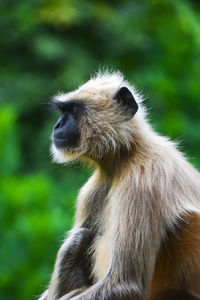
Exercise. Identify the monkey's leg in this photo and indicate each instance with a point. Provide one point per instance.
(71, 269)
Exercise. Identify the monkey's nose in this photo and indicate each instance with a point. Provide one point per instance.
(59, 123)
(60, 128)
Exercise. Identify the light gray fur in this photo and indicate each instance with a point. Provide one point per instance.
(140, 187)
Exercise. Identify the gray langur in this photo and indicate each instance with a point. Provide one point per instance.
(136, 233)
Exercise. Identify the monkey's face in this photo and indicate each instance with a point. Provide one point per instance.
(66, 133)
(93, 123)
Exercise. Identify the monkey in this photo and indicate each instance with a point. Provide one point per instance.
(136, 234)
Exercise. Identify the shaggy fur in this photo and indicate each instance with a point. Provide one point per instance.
(141, 207)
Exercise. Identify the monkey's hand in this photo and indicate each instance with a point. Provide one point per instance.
(72, 267)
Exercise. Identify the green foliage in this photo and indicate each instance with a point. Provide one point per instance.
(36, 209)
(9, 151)
(54, 45)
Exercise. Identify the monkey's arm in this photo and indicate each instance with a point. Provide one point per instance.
(71, 267)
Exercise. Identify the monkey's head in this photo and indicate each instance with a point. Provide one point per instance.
(96, 119)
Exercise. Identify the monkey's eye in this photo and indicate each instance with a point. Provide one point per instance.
(74, 110)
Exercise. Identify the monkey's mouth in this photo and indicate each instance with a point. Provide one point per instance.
(61, 143)
(66, 142)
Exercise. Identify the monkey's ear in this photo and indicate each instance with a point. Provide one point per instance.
(125, 98)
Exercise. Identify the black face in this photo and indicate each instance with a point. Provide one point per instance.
(66, 132)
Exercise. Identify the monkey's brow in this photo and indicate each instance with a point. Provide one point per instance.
(58, 104)
(65, 105)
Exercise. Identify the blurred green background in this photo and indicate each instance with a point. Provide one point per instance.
(48, 46)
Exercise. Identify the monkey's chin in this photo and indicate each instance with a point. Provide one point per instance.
(61, 156)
